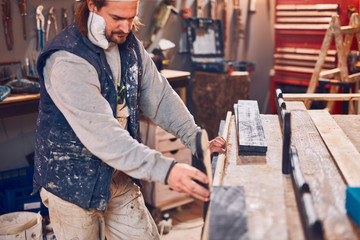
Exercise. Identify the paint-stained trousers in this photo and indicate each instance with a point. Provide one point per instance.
(125, 216)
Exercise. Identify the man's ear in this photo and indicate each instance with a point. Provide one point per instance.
(91, 6)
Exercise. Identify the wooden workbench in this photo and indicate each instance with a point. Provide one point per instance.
(270, 201)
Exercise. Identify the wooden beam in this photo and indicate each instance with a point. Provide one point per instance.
(251, 133)
(341, 148)
(206, 155)
(321, 96)
(348, 123)
(294, 69)
(303, 20)
(349, 30)
(302, 57)
(220, 164)
(320, 171)
(308, 7)
(302, 26)
(289, 63)
(228, 218)
(354, 77)
(333, 73)
(306, 13)
(304, 51)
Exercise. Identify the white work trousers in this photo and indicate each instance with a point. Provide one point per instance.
(125, 216)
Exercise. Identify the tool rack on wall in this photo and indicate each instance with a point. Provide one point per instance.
(300, 27)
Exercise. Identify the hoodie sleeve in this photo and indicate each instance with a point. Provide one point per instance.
(162, 105)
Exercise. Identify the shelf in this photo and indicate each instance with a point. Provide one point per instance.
(19, 104)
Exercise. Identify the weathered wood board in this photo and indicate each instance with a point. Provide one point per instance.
(348, 124)
(270, 200)
(341, 148)
(228, 219)
(321, 96)
(218, 173)
(320, 171)
(250, 130)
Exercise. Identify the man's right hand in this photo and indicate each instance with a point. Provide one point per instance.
(182, 179)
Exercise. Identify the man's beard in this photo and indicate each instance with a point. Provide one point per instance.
(118, 37)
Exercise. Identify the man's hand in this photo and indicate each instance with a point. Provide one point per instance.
(218, 144)
(182, 179)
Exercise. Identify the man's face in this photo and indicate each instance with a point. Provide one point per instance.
(119, 17)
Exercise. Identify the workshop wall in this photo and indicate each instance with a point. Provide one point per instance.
(17, 134)
(257, 46)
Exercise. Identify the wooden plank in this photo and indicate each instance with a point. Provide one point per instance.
(285, 62)
(274, 217)
(228, 218)
(174, 73)
(251, 133)
(220, 164)
(344, 152)
(321, 96)
(333, 73)
(304, 51)
(354, 77)
(302, 26)
(349, 30)
(308, 7)
(302, 57)
(175, 203)
(296, 105)
(206, 155)
(294, 69)
(306, 13)
(350, 125)
(327, 186)
(303, 19)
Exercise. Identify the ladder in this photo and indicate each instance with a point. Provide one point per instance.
(343, 36)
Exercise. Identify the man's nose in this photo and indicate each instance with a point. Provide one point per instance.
(124, 25)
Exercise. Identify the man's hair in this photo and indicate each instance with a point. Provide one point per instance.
(82, 15)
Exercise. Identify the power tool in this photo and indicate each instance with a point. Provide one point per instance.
(4, 92)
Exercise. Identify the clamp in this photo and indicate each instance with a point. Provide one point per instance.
(6, 18)
(51, 16)
(40, 27)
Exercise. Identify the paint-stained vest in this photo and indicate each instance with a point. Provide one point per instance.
(63, 165)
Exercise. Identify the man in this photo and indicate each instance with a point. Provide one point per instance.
(95, 77)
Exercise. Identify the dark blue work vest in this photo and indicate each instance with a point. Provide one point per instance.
(63, 165)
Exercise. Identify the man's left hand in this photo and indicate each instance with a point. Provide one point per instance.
(218, 144)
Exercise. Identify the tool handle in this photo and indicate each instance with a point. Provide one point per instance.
(22, 7)
(42, 32)
(23, 18)
(38, 39)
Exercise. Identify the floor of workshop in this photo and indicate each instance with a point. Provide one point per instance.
(187, 222)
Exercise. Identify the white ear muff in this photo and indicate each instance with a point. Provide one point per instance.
(96, 30)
